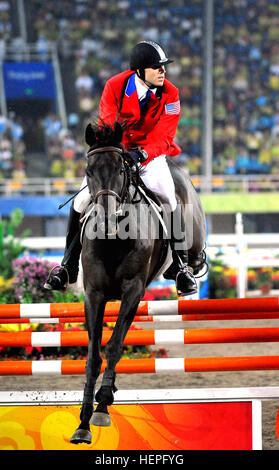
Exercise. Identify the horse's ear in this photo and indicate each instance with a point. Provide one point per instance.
(90, 135)
(118, 132)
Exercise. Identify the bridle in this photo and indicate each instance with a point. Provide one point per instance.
(127, 178)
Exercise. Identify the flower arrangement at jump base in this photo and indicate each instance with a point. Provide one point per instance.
(265, 279)
(29, 277)
(222, 280)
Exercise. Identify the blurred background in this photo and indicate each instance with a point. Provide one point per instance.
(55, 58)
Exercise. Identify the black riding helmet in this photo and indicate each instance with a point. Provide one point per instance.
(147, 54)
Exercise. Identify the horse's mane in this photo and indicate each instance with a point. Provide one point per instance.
(101, 134)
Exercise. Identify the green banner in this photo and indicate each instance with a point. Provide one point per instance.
(240, 202)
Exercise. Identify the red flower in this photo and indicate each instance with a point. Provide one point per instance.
(148, 296)
(232, 278)
(29, 349)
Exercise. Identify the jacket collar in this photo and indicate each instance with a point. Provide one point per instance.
(131, 85)
(130, 102)
(134, 84)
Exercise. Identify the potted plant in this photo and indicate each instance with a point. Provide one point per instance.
(264, 280)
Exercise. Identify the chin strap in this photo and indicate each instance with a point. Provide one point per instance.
(141, 75)
(150, 86)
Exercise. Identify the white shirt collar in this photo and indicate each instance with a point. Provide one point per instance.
(141, 89)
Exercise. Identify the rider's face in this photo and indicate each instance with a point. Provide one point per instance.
(155, 76)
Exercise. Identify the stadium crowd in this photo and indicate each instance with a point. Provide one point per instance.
(100, 34)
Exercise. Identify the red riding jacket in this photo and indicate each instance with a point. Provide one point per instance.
(154, 131)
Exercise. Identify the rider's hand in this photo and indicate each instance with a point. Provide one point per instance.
(139, 155)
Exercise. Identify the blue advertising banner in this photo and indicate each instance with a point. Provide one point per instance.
(35, 206)
(32, 80)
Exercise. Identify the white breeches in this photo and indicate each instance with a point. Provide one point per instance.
(156, 176)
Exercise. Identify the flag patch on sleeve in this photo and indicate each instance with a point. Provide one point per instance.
(173, 108)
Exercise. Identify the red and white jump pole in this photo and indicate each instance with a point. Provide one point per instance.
(144, 366)
(143, 337)
(155, 307)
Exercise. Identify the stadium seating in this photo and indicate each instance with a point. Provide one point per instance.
(97, 37)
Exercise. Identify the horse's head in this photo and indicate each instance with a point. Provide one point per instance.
(108, 173)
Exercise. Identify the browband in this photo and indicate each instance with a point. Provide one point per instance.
(104, 149)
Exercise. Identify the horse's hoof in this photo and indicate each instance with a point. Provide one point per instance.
(100, 419)
(81, 436)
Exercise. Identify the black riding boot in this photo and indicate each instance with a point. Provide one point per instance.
(178, 271)
(67, 273)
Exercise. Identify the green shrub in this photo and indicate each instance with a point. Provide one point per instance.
(10, 247)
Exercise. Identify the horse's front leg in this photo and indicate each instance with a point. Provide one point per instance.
(94, 310)
(133, 292)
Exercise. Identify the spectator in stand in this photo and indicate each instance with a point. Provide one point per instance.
(6, 157)
(42, 47)
(5, 20)
(12, 148)
(68, 147)
(4, 125)
(52, 125)
(84, 83)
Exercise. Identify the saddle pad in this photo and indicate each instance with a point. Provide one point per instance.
(157, 209)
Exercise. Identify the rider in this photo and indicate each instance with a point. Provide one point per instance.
(149, 104)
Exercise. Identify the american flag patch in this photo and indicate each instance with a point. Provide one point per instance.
(173, 108)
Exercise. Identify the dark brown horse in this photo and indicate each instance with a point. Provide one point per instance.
(120, 267)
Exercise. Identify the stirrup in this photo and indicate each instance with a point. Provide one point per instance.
(48, 285)
(192, 287)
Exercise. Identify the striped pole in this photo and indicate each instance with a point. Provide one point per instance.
(143, 337)
(155, 307)
(135, 366)
(152, 318)
(42, 310)
(138, 318)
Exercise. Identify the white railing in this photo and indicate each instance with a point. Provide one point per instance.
(63, 186)
(39, 186)
(239, 183)
(258, 244)
(26, 52)
(237, 250)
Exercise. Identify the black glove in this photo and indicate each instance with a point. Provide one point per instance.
(139, 155)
